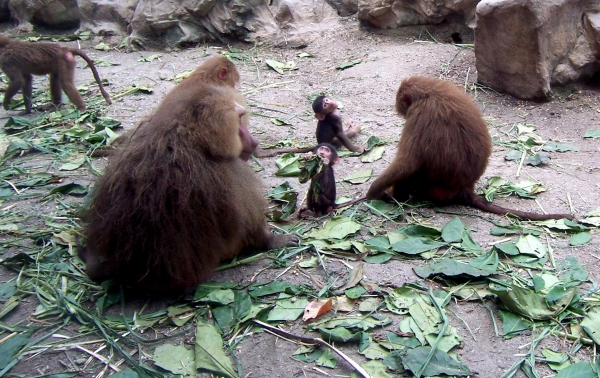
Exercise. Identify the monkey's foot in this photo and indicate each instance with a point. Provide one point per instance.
(282, 240)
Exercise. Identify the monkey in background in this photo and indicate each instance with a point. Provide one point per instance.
(21, 60)
(178, 198)
(443, 151)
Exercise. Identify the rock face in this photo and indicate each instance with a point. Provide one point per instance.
(180, 22)
(523, 47)
(387, 14)
(54, 14)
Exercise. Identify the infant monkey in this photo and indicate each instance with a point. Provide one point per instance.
(321, 196)
(330, 128)
(320, 199)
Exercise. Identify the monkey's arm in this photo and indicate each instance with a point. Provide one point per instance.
(343, 139)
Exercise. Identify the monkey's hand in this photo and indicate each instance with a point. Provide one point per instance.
(282, 240)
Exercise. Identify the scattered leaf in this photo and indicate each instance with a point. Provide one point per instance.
(317, 308)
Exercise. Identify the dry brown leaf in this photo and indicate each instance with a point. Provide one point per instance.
(317, 308)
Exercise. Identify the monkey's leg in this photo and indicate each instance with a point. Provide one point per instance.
(399, 171)
(55, 90)
(66, 77)
(16, 81)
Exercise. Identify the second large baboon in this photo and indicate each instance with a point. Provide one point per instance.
(443, 151)
(178, 198)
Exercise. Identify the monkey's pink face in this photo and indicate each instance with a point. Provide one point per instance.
(324, 152)
(249, 142)
(329, 105)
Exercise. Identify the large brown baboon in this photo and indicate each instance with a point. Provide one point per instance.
(443, 151)
(20, 60)
(178, 198)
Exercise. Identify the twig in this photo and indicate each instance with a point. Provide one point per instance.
(521, 163)
(98, 357)
(315, 340)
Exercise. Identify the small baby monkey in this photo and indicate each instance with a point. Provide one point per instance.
(320, 199)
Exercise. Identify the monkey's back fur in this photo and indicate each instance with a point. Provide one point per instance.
(443, 151)
(176, 199)
(443, 133)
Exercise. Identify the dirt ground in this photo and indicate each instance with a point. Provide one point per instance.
(367, 92)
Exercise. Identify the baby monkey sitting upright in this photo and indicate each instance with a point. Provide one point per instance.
(318, 167)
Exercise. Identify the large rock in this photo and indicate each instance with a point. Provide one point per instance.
(344, 7)
(524, 46)
(107, 17)
(53, 14)
(388, 14)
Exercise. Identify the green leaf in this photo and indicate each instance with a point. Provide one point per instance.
(150, 58)
(336, 228)
(7, 289)
(275, 65)
(530, 245)
(578, 370)
(513, 324)
(553, 146)
(73, 189)
(274, 287)
(209, 353)
(591, 324)
(327, 359)
(440, 363)
(372, 155)
(127, 373)
(11, 346)
(453, 231)
(284, 198)
(413, 246)
(376, 369)
(176, 359)
(288, 309)
(339, 335)
(355, 292)
(592, 134)
(508, 248)
(580, 238)
(288, 165)
(359, 177)
(73, 165)
(530, 304)
(537, 159)
(345, 65)
(451, 268)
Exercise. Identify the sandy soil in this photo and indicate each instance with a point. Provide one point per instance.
(367, 92)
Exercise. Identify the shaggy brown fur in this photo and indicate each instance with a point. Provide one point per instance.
(177, 199)
(20, 60)
(444, 149)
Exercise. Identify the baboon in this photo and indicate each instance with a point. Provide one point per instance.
(443, 151)
(21, 60)
(178, 197)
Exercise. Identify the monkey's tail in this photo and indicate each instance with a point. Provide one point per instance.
(94, 72)
(473, 200)
(351, 202)
(260, 153)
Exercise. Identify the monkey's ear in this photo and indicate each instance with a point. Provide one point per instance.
(335, 161)
(319, 116)
(222, 74)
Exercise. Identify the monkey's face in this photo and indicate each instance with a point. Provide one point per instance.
(249, 142)
(329, 105)
(327, 154)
